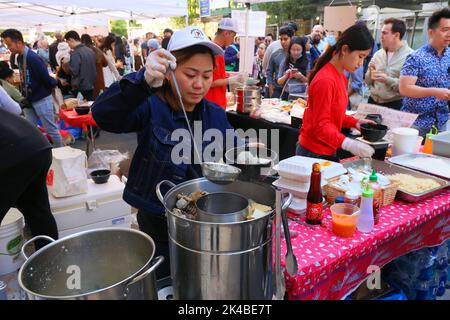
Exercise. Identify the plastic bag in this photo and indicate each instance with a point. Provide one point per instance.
(67, 176)
(106, 159)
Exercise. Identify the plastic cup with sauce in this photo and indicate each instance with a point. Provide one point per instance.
(344, 217)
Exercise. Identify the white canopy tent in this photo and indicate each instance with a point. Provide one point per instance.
(52, 14)
(247, 42)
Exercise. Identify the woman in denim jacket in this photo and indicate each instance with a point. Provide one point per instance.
(146, 102)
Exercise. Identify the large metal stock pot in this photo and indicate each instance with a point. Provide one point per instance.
(211, 260)
(109, 263)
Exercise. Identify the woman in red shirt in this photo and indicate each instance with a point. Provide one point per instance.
(320, 135)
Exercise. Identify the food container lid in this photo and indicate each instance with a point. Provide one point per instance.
(339, 200)
(352, 194)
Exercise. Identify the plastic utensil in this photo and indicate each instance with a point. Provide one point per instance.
(219, 173)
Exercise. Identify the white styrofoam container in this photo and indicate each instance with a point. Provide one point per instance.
(299, 168)
(441, 144)
(297, 189)
(298, 205)
(102, 202)
(119, 222)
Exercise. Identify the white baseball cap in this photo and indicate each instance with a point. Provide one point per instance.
(229, 24)
(191, 36)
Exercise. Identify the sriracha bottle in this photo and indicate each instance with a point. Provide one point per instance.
(314, 206)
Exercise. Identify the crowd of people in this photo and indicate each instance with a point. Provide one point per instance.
(331, 67)
(78, 66)
(394, 75)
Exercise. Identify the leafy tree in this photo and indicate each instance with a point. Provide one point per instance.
(135, 24)
(193, 12)
(119, 28)
(278, 12)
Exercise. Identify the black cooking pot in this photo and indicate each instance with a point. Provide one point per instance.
(82, 110)
(100, 176)
(251, 170)
(373, 132)
(375, 117)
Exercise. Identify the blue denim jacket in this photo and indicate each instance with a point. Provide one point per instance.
(129, 106)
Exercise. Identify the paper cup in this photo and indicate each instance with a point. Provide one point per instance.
(404, 140)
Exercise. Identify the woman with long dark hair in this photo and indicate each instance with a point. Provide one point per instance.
(110, 73)
(295, 67)
(320, 135)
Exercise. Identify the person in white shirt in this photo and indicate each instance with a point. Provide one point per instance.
(110, 73)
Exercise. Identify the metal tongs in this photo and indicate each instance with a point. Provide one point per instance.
(219, 173)
(290, 259)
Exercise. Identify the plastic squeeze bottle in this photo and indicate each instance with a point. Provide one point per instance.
(365, 222)
(373, 181)
(428, 145)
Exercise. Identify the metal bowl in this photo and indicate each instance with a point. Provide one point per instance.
(222, 207)
(220, 173)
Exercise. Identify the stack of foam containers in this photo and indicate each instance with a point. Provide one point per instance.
(295, 177)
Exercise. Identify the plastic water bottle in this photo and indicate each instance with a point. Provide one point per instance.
(442, 282)
(441, 258)
(422, 290)
(365, 222)
(3, 295)
(80, 98)
(433, 286)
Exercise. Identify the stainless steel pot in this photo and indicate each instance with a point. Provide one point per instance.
(247, 98)
(222, 207)
(110, 264)
(220, 260)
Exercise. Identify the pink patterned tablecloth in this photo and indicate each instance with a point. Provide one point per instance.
(329, 267)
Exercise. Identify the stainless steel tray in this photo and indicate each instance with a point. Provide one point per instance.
(403, 161)
(389, 168)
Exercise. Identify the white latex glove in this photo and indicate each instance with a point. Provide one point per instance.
(358, 148)
(156, 67)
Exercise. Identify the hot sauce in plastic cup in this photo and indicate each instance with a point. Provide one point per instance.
(344, 217)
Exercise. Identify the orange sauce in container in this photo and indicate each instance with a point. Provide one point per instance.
(344, 230)
(344, 217)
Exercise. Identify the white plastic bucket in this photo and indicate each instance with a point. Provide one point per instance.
(404, 140)
(11, 241)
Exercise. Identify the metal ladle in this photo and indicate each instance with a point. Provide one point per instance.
(219, 173)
